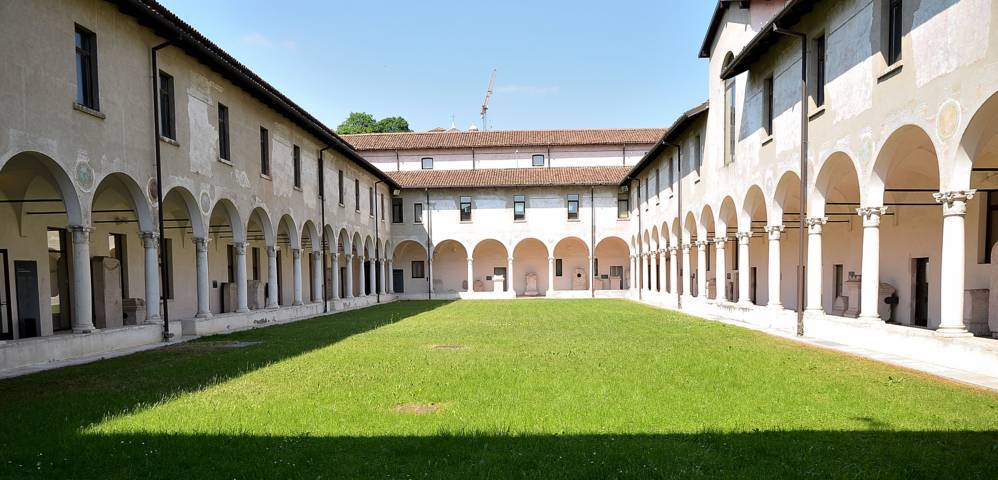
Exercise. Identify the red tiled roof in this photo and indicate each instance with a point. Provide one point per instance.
(503, 138)
(510, 177)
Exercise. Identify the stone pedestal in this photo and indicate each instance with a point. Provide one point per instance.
(883, 308)
(134, 310)
(579, 280)
(531, 287)
(107, 292)
(498, 283)
(850, 290)
(975, 311)
(254, 294)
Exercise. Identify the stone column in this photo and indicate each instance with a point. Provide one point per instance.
(551, 274)
(702, 269)
(774, 232)
(82, 289)
(272, 300)
(870, 281)
(429, 267)
(382, 264)
(674, 271)
(348, 260)
(317, 290)
(643, 268)
(334, 277)
(471, 274)
(720, 269)
(743, 268)
(814, 265)
(631, 277)
(686, 270)
(662, 271)
(150, 242)
(296, 274)
(509, 275)
(951, 289)
(201, 264)
(371, 272)
(389, 277)
(362, 277)
(242, 301)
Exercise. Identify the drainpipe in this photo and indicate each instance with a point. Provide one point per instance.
(592, 239)
(801, 281)
(429, 246)
(164, 268)
(641, 273)
(377, 246)
(679, 218)
(322, 210)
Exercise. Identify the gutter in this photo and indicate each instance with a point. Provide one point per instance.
(679, 220)
(322, 236)
(164, 267)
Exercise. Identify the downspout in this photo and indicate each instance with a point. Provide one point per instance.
(679, 219)
(322, 210)
(641, 273)
(801, 281)
(592, 240)
(164, 268)
(429, 247)
(377, 247)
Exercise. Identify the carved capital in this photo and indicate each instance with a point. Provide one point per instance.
(955, 202)
(774, 231)
(201, 244)
(871, 215)
(720, 241)
(239, 247)
(702, 245)
(814, 225)
(80, 234)
(744, 237)
(149, 239)
(296, 253)
(271, 251)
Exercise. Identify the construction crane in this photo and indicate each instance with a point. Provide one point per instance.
(488, 96)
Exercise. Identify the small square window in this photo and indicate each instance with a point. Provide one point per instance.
(427, 163)
(519, 207)
(573, 206)
(465, 209)
(537, 160)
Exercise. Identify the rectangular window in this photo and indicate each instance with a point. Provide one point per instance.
(557, 267)
(417, 269)
(697, 153)
(623, 203)
(519, 207)
(370, 201)
(658, 185)
(767, 105)
(397, 214)
(426, 163)
(296, 160)
(86, 68)
(339, 179)
(465, 209)
(264, 151)
(537, 160)
(417, 213)
(647, 191)
(223, 132)
(381, 200)
(573, 206)
(167, 112)
(672, 161)
(321, 176)
(894, 32)
(838, 280)
(729, 122)
(356, 194)
(819, 71)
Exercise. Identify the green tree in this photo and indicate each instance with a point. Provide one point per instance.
(391, 125)
(357, 122)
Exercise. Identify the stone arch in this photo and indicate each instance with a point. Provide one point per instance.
(286, 223)
(450, 267)
(786, 196)
(530, 255)
(575, 268)
(310, 232)
(978, 146)
(727, 218)
(836, 184)
(261, 218)
(753, 209)
(488, 255)
(133, 195)
(611, 252)
(225, 210)
(24, 168)
(907, 158)
(706, 227)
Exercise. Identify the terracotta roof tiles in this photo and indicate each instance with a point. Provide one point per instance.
(510, 177)
(502, 138)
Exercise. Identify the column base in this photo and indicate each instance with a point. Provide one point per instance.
(272, 307)
(242, 310)
(203, 315)
(297, 304)
(953, 332)
(871, 318)
(81, 330)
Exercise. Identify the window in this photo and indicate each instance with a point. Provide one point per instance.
(557, 267)
(573, 206)
(672, 160)
(697, 154)
(658, 185)
(537, 160)
(339, 179)
(417, 213)
(991, 232)
(623, 202)
(370, 200)
(167, 114)
(381, 200)
(819, 71)
(894, 32)
(223, 132)
(465, 209)
(321, 175)
(729, 121)
(397, 210)
(519, 207)
(418, 269)
(767, 105)
(837, 280)
(356, 194)
(296, 160)
(264, 151)
(86, 68)
(427, 163)
(647, 191)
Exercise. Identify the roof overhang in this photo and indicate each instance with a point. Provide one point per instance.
(715, 24)
(767, 37)
(677, 128)
(166, 24)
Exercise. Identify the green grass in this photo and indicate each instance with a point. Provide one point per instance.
(531, 389)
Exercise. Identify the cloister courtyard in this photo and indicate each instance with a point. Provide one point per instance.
(494, 389)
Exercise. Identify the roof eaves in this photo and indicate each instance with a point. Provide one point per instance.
(672, 132)
(715, 25)
(790, 15)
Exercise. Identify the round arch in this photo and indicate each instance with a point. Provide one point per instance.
(611, 264)
(573, 255)
(450, 267)
(126, 191)
(530, 267)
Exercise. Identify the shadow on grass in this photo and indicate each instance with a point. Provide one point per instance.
(797, 454)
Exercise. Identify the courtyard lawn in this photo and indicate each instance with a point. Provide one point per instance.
(494, 389)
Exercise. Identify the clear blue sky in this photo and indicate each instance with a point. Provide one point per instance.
(561, 63)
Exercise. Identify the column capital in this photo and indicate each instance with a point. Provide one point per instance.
(316, 255)
(720, 241)
(686, 247)
(80, 233)
(239, 247)
(774, 231)
(871, 215)
(814, 225)
(954, 202)
(702, 244)
(673, 250)
(149, 239)
(345, 255)
(470, 260)
(550, 259)
(510, 259)
(743, 237)
(201, 244)
(296, 253)
(271, 251)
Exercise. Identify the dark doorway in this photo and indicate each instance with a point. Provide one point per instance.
(58, 281)
(343, 282)
(502, 271)
(280, 279)
(6, 325)
(26, 279)
(398, 281)
(752, 285)
(921, 314)
(377, 277)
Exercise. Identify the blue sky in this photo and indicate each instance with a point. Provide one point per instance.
(561, 64)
